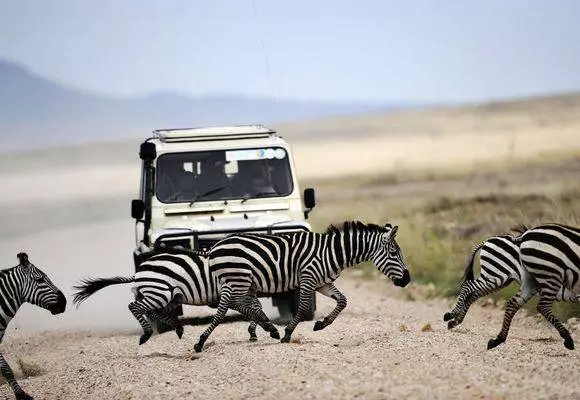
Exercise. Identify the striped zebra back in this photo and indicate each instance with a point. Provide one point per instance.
(274, 262)
(552, 251)
(499, 258)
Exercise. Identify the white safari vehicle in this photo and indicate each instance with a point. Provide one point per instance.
(199, 185)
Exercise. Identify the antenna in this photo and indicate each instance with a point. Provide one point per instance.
(264, 52)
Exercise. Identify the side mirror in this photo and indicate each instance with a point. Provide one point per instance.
(137, 209)
(147, 152)
(309, 201)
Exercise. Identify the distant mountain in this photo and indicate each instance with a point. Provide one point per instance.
(36, 112)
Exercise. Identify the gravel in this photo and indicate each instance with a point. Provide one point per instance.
(380, 347)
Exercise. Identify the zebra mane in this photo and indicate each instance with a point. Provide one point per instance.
(176, 250)
(7, 270)
(355, 225)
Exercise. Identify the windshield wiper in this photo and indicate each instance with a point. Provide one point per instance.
(201, 196)
(256, 195)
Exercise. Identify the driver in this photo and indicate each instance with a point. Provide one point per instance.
(175, 182)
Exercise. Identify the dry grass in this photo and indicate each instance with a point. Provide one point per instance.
(442, 216)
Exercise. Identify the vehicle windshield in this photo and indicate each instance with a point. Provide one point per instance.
(223, 175)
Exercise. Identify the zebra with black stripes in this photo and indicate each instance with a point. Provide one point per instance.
(167, 279)
(248, 263)
(550, 253)
(24, 283)
(499, 259)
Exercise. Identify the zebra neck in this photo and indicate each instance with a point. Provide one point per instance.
(348, 250)
(10, 295)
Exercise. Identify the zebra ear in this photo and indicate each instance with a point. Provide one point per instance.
(23, 259)
(392, 233)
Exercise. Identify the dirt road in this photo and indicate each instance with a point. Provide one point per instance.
(379, 348)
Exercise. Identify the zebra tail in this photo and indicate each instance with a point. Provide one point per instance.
(468, 269)
(90, 286)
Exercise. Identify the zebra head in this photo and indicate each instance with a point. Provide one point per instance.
(37, 289)
(388, 257)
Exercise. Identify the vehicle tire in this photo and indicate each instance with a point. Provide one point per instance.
(287, 305)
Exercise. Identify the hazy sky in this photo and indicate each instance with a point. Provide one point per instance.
(343, 50)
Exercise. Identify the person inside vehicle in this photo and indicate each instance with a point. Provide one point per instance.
(175, 183)
(212, 181)
(255, 179)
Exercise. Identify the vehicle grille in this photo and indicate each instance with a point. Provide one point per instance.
(205, 244)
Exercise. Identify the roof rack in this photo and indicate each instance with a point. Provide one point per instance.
(214, 133)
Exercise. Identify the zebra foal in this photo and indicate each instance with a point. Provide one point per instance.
(162, 282)
(499, 259)
(248, 263)
(24, 283)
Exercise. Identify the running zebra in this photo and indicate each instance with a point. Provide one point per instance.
(250, 263)
(499, 259)
(551, 255)
(24, 283)
(168, 278)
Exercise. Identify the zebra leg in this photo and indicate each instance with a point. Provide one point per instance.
(9, 376)
(246, 305)
(306, 293)
(172, 309)
(465, 292)
(545, 308)
(470, 293)
(267, 326)
(139, 310)
(512, 307)
(168, 316)
(329, 290)
(481, 288)
(224, 304)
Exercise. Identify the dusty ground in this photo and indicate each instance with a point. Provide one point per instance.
(376, 349)
(69, 208)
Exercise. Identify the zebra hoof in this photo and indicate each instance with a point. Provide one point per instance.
(23, 396)
(179, 331)
(452, 324)
(285, 339)
(318, 325)
(569, 343)
(447, 316)
(198, 348)
(274, 334)
(144, 338)
(494, 343)
(253, 338)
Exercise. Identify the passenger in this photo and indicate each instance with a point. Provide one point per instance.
(255, 179)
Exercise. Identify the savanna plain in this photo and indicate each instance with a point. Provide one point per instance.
(448, 177)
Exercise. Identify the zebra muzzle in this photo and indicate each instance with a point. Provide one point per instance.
(404, 281)
(59, 306)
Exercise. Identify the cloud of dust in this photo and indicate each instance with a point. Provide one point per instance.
(68, 255)
(91, 250)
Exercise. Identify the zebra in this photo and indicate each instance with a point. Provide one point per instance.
(24, 283)
(246, 263)
(168, 278)
(551, 255)
(499, 258)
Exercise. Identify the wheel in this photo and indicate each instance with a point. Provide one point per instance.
(287, 304)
